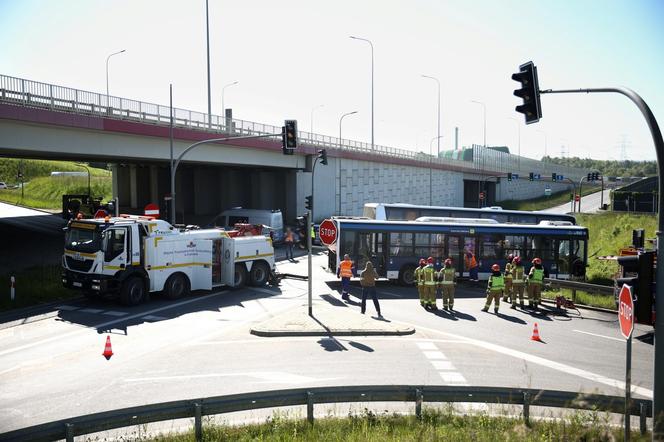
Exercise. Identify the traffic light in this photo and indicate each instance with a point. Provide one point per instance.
(554, 177)
(595, 176)
(289, 137)
(637, 272)
(309, 202)
(531, 176)
(509, 176)
(322, 154)
(529, 92)
(589, 177)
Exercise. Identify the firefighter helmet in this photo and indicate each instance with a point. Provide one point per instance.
(422, 261)
(517, 260)
(510, 257)
(495, 268)
(430, 260)
(537, 261)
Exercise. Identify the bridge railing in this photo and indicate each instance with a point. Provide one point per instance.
(197, 408)
(30, 93)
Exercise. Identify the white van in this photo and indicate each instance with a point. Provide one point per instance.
(272, 218)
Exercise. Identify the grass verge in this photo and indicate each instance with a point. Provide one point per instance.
(544, 202)
(46, 192)
(34, 286)
(436, 425)
(583, 298)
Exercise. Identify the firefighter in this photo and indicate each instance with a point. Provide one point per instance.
(419, 281)
(429, 285)
(535, 280)
(508, 279)
(495, 289)
(446, 279)
(345, 272)
(518, 281)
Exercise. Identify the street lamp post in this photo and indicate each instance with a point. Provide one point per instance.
(372, 87)
(339, 159)
(108, 58)
(479, 201)
(223, 90)
(88, 170)
(311, 128)
(438, 82)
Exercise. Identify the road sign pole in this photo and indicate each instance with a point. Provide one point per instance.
(628, 386)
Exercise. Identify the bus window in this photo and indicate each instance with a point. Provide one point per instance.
(365, 249)
(490, 247)
(422, 244)
(438, 245)
(514, 245)
(453, 249)
(542, 248)
(369, 212)
(469, 245)
(347, 244)
(395, 214)
(522, 219)
(401, 244)
(498, 217)
(435, 212)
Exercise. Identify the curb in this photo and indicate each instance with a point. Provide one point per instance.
(26, 315)
(300, 333)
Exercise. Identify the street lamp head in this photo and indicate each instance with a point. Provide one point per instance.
(122, 51)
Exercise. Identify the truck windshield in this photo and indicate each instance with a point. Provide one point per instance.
(82, 237)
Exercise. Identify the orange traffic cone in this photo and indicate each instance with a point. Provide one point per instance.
(536, 336)
(108, 351)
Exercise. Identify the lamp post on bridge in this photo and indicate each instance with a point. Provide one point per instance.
(223, 90)
(341, 119)
(108, 58)
(372, 87)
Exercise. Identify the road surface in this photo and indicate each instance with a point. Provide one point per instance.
(589, 204)
(30, 219)
(200, 346)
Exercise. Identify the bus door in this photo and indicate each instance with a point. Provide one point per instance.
(457, 246)
(371, 247)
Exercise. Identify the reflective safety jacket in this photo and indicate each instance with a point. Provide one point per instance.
(509, 267)
(446, 275)
(496, 284)
(536, 276)
(518, 274)
(471, 262)
(290, 237)
(429, 275)
(346, 269)
(419, 275)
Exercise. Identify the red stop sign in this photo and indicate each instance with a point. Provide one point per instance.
(327, 231)
(577, 197)
(626, 311)
(152, 210)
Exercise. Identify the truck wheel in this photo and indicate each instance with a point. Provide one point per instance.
(177, 286)
(259, 274)
(132, 291)
(407, 275)
(240, 275)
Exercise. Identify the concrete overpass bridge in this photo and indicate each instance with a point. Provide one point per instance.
(39, 120)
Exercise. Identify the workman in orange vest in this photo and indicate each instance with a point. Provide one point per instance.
(345, 272)
(471, 265)
(289, 239)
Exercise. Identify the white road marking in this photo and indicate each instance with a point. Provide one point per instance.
(427, 346)
(67, 307)
(442, 365)
(452, 377)
(114, 313)
(107, 323)
(154, 318)
(434, 355)
(91, 310)
(541, 361)
(599, 336)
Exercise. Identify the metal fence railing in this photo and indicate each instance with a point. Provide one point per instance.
(30, 93)
(108, 420)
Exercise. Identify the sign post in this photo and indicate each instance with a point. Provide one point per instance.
(626, 320)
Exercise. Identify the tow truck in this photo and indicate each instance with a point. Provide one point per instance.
(128, 257)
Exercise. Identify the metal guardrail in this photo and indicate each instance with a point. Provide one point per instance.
(22, 92)
(197, 408)
(577, 285)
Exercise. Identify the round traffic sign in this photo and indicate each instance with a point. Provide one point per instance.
(626, 311)
(151, 210)
(327, 231)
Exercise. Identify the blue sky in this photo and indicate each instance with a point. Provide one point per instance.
(290, 56)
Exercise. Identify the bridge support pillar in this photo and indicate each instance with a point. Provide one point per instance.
(133, 187)
(154, 184)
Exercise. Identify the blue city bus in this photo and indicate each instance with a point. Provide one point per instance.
(409, 212)
(395, 247)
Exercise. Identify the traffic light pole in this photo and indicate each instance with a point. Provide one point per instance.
(658, 385)
(176, 163)
(310, 226)
(580, 193)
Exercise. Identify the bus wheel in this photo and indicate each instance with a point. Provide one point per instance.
(177, 286)
(132, 291)
(240, 275)
(407, 275)
(259, 274)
